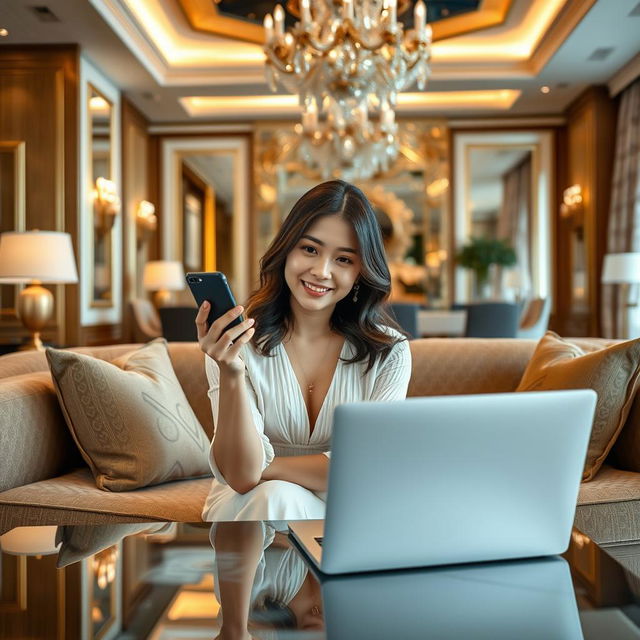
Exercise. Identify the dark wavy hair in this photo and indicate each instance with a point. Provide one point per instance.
(360, 322)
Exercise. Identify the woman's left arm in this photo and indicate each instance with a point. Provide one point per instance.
(309, 472)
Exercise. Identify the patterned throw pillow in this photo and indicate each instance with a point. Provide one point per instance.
(130, 418)
(612, 372)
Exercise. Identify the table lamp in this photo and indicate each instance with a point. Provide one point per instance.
(622, 268)
(30, 541)
(36, 257)
(163, 276)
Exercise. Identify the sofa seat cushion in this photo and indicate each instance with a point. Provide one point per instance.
(609, 507)
(179, 501)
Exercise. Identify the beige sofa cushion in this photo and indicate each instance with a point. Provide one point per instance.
(451, 366)
(58, 500)
(130, 418)
(613, 372)
(34, 440)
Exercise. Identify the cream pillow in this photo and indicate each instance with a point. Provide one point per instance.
(613, 372)
(130, 418)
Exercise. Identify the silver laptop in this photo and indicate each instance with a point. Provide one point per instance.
(441, 480)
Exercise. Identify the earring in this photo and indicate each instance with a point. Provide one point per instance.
(356, 288)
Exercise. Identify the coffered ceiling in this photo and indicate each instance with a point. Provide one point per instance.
(176, 73)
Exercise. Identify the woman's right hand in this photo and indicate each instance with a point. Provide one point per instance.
(224, 346)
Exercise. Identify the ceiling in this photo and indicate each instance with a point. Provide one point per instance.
(175, 74)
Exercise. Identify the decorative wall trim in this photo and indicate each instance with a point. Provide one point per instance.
(172, 149)
(542, 248)
(92, 315)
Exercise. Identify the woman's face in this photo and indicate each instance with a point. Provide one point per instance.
(324, 265)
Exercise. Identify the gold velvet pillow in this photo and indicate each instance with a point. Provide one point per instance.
(130, 418)
(612, 372)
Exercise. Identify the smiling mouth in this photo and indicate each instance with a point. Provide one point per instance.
(315, 288)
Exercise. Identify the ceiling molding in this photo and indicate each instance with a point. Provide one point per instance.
(126, 28)
(568, 18)
(203, 16)
(493, 123)
(281, 105)
(199, 128)
(623, 78)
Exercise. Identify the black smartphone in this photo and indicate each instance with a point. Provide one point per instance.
(213, 287)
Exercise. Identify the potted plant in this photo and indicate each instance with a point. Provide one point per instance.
(480, 253)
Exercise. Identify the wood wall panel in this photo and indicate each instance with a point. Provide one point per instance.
(38, 104)
(589, 152)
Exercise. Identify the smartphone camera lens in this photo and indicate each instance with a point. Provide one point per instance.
(192, 279)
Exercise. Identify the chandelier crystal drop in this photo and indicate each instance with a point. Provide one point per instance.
(347, 60)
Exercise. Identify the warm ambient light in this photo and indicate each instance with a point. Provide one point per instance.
(106, 203)
(226, 106)
(3, 33)
(99, 106)
(163, 276)
(544, 89)
(571, 200)
(494, 44)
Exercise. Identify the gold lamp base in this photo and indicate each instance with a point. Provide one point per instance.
(34, 308)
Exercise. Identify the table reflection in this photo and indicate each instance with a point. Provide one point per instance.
(249, 580)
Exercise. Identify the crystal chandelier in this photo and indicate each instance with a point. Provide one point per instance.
(347, 60)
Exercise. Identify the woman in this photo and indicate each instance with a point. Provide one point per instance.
(316, 335)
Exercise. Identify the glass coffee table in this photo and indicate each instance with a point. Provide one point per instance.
(170, 581)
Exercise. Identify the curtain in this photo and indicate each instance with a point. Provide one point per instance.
(624, 214)
(515, 215)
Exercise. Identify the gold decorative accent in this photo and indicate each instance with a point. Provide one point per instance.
(106, 204)
(146, 222)
(34, 308)
(203, 15)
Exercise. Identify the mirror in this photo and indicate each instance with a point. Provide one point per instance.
(104, 205)
(503, 191)
(411, 203)
(206, 182)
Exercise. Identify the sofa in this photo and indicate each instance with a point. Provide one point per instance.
(43, 479)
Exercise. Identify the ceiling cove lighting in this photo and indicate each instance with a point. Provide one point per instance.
(347, 60)
(235, 106)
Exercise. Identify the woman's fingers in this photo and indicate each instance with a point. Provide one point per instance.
(224, 320)
(239, 329)
(234, 349)
(201, 319)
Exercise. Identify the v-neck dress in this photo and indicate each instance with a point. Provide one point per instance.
(281, 419)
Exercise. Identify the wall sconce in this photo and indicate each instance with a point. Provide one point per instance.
(571, 201)
(146, 221)
(106, 204)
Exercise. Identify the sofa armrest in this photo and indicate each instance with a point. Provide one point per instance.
(35, 443)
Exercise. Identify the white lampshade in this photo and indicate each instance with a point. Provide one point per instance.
(165, 275)
(31, 541)
(621, 267)
(46, 256)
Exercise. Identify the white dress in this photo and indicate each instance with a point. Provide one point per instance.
(280, 417)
